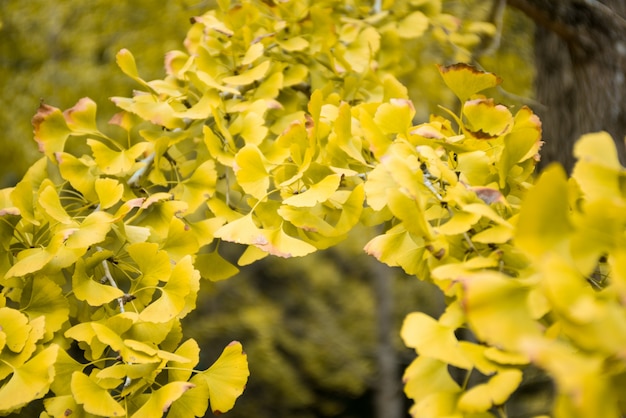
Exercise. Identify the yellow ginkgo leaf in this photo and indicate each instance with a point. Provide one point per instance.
(251, 172)
(115, 162)
(109, 192)
(496, 391)
(485, 119)
(81, 118)
(543, 222)
(30, 381)
(50, 130)
(227, 378)
(14, 325)
(93, 230)
(160, 400)
(194, 402)
(432, 339)
(317, 193)
(465, 81)
(94, 398)
(413, 26)
(91, 291)
(249, 76)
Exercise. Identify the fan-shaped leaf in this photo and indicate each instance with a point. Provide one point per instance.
(227, 377)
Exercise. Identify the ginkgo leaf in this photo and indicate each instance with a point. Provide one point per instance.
(193, 402)
(497, 308)
(50, 130)
(485, 119)
(413, 26)
(227, 378)
(172, 302)
(160, 400)
(198, 188)
(214, 267)
(81, 118)
(395, 117)
(426, 376)
(109, 192)
(296, 43)
(249, 76)
(92, 230)
(495, 392)
(465, 81)
(64, 367)
(51, 203)
(251, 173)
(182, 371)
(317, 193)
(278, 243)
(543, 222)
(180, 241)
(253, 53)
(80, 173)
(14, 325)
(432, 339)
(95, 399)
(30, 381)
(598, 171)
(241, 231)
(148, 107)
(154, 264)
(91, 291)
(43, 297)
(115, 162)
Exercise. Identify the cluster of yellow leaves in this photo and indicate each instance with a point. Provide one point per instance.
(280, 127)
(533, 271)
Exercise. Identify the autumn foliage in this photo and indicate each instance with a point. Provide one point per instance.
(280, 127)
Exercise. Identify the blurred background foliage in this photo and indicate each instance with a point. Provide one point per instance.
(308, 325)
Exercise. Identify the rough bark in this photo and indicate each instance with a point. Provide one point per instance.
(580, 57)
(388, 391)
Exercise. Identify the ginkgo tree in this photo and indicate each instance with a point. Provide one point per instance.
(280, 127)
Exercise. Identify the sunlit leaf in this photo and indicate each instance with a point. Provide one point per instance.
(193, 402)
(95, 399)
(91, 291)
(495, 392)
(214, 267)
(30, 381)
(249, 76)
(115, 162)
(251, 172)
(109, 192)
(317, 193)
(198, 188)
(485, 119)
(161, 399)
(432, 339)
(14, 325)
(182, 371)
(544, 217)
(174, 299)
(43, 297)
(227, 377)
(465, 81)
(413, 26)
(92, 230)
(50, 130)
(435, 372)
(598, 168)
(81, 118)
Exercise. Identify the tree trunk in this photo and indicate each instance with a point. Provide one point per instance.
(580, 53)
(388, 390)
